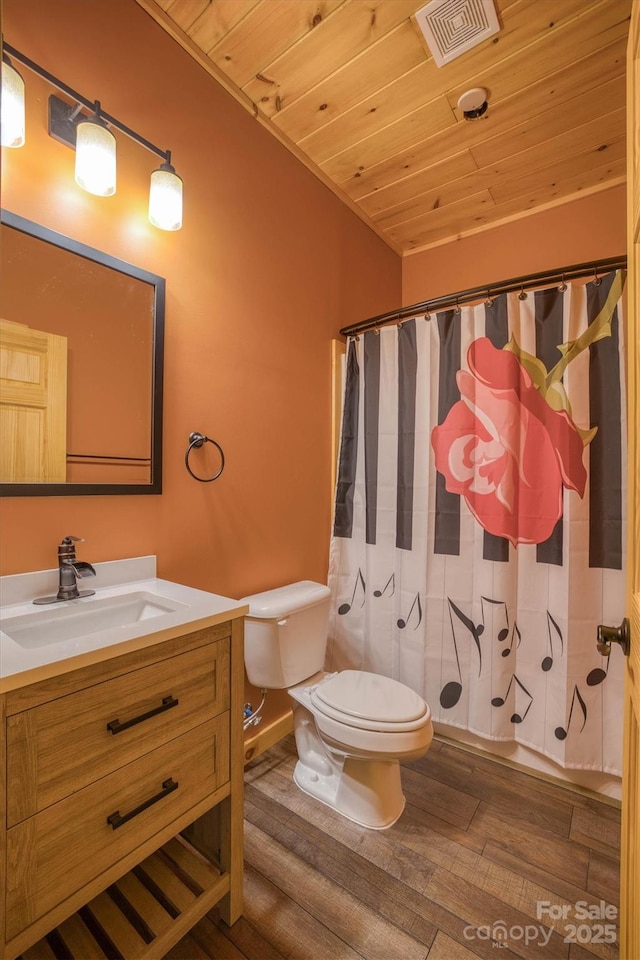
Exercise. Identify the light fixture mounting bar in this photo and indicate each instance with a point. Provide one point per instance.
(61, 121)
(62, 132)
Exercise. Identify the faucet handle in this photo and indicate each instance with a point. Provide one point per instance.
(67, 549)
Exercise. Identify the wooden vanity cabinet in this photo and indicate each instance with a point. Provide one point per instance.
(109, 768)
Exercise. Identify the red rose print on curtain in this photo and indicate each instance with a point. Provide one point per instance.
(509, 446)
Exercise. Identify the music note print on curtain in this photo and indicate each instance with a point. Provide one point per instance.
(515, 632)
(390, 582)
(547, 662)
(402, 621)
(501, 628)
(562, 732)
(451, 692)
(345, 607)
(500, 701)
(503, 632)
(598, 675)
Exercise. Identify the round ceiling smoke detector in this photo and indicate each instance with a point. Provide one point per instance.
(473, 103)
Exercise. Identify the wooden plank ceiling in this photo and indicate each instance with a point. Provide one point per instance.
(351, 88)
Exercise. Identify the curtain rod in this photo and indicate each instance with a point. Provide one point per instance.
(575, 272)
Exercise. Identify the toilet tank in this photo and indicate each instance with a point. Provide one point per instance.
(285, 634)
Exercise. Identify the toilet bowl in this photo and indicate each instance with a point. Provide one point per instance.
(349, 752)
(351, 728)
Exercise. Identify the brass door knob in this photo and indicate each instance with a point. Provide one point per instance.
(609, 635)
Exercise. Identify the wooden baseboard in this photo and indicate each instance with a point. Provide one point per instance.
(530, 771)
(266, 736)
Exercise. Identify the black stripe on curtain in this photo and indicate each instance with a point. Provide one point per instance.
(549, 334)
(407, 371)
(447, 520)
(371, 429)
(605, 450)
(343, 521)
(497, 331)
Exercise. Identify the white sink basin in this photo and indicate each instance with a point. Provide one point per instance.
(130, 609)
(80, 618)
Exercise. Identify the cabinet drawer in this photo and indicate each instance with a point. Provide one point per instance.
(56, 852)
(62, 746)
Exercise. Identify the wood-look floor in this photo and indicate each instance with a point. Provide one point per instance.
(477, 848)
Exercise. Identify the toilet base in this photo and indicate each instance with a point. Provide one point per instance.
(368, 792)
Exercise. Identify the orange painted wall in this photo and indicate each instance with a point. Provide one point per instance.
(586, 229)
(267, 268)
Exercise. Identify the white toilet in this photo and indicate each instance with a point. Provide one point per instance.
(351, 727)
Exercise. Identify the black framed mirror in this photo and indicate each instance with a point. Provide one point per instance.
(82, 345)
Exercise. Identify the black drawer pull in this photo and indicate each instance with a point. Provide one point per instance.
(116, 819)
(114, 726)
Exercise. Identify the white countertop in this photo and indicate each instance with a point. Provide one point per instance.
(20, 664)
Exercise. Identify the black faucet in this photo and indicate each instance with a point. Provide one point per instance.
(69, 571)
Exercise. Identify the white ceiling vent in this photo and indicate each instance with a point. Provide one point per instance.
(451, 27)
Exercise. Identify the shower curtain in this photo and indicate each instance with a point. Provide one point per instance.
(479, 517)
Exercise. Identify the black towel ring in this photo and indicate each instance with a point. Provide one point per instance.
(196, 440)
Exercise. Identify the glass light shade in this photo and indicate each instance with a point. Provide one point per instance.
(165, 198)
(12, 118)
(95, 158)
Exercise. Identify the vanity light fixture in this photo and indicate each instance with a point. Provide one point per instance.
(165, 197)
(90, 135)
(95, 155)
(12, 121)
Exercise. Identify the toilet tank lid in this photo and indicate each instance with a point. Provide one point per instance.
(283, 601)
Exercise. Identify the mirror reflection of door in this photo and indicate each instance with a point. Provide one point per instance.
(33, 405)
(107, 317)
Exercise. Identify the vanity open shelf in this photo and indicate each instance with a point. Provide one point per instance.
(144, 913)
(121, 817)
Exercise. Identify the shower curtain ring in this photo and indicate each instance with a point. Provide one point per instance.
(596, 279)
(522, 295)
(489, 301)
(458, 308)
(563, 285)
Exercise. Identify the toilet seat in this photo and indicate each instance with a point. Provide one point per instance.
(369, 701)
